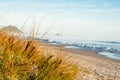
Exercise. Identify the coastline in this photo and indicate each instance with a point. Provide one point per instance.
(93, 53)
(100, 67)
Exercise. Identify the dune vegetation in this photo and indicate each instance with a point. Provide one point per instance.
(27, 59)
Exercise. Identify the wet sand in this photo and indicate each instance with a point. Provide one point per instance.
(97, 67)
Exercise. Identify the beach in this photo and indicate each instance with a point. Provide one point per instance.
(97, 67)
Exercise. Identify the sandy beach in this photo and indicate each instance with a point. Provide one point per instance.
(97, 67)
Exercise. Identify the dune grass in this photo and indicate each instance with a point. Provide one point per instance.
(23, 59)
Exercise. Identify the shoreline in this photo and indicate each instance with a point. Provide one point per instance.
(100, 67)
(94, 53)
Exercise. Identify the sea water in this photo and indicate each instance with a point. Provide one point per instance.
(110, 55)
(109, 49)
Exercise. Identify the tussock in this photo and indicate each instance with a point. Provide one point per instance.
(23, 59)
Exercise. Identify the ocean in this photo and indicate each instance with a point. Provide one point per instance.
(109, 49)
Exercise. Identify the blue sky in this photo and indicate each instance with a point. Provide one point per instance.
(85, 19)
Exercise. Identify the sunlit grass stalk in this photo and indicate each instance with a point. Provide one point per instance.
(22, 59)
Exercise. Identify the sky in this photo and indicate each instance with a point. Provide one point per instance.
(84, 19)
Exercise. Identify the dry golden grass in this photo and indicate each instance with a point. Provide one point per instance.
(22, 59)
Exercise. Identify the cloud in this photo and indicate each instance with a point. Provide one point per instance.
(79, 15)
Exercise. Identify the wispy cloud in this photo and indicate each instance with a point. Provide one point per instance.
(82, 14)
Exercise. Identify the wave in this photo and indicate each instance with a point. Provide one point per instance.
(100, 46)
(114, 42)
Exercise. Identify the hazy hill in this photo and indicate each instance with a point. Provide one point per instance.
(10, 28)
